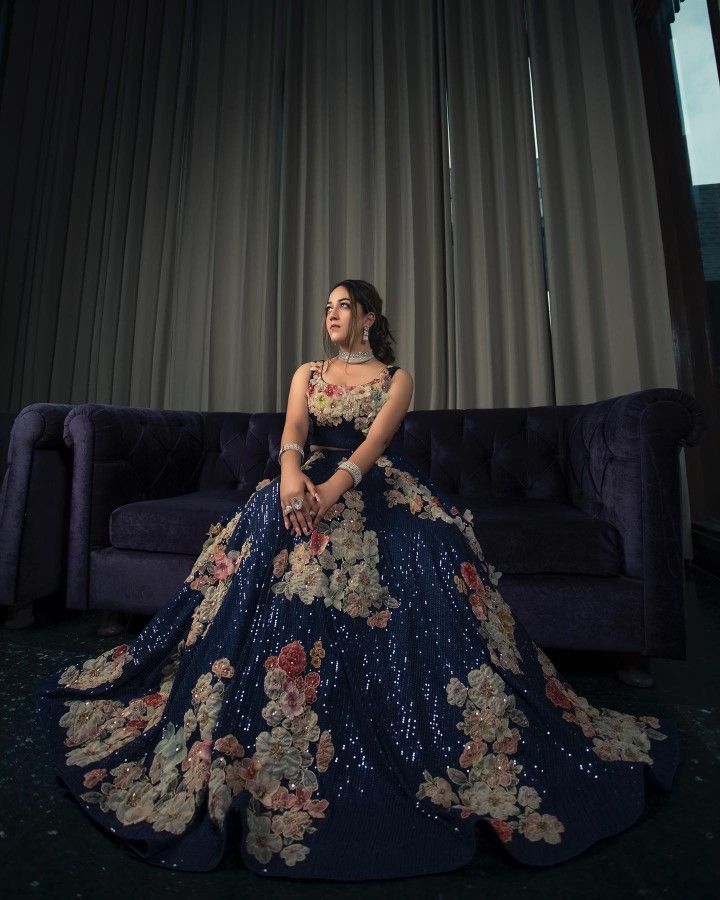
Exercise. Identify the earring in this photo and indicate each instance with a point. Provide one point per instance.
(365, 334)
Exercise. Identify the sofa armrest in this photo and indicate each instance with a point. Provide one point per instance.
(623, 467)
(7, 421)
(34, 505)
(122, 455)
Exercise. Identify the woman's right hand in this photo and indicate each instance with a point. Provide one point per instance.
(297, 484)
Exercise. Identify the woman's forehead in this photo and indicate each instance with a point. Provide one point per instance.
(340, 293)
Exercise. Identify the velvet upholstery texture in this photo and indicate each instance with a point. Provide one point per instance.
(34, 505)
(578, 506)
(6, 424)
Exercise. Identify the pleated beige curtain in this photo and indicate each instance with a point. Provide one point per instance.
(610, 314)
(226, 307)
(502, 353)
(208, 171)
(90, 172)
(180, 184)
(316, 154)
(363, 178)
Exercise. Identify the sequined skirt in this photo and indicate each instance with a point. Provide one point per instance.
(358, 701)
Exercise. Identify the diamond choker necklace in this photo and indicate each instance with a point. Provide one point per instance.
(359, 357)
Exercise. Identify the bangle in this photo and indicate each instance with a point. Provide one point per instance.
(352, 469)
(291, 446)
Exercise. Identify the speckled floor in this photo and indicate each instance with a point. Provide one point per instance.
(49, 848)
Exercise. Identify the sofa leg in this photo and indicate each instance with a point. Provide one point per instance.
(21, 615)
(635, 670)
(113, 623)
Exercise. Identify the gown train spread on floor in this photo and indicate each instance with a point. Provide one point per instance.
(360, 699)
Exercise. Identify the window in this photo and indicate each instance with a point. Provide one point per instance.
(698, 92)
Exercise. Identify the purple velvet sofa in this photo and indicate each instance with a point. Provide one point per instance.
(6, 423)
(578, 506)
(34, 504)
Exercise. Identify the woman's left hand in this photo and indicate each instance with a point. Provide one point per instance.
(325, 496)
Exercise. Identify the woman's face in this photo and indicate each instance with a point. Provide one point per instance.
(339, 315)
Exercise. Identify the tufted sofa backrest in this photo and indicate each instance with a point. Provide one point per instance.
(240, 449)
(477, 453)
(491, 452)
(225, 456)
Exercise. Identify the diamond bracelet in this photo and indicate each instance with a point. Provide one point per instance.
(291, 446)
(352, 469)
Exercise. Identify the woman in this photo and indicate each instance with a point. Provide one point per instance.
(341, 673)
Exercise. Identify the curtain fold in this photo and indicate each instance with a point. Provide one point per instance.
(224, 299)
(502, 343)
(363, 180)
(611, 329)
(90, 181)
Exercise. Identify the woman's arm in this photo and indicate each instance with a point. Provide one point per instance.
(380, 433)
(293, 481)
(297, 420)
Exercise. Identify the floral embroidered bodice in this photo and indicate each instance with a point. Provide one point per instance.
(341, 416)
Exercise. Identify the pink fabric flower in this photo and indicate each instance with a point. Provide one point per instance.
(507, 744)
(248, 768)
(379, 619)
(153, 700)
(318, 542)
(283, 799)
(230, 746)
(316, 808)
(223, 668)
(292, 658)
(292, 702)
(325, 752)
(93, 777)
(555, 693)
(502, 829)
(474, 750)
(470, 575)
(225, 566)
(280, 563)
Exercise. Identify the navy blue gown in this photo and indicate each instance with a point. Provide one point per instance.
(361, 698)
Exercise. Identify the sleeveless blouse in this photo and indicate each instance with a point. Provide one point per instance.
(341, 416)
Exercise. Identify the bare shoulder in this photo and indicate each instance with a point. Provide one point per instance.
(402, 385)
(402, 376)
(302, 373)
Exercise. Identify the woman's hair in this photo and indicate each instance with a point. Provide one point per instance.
(365, 295)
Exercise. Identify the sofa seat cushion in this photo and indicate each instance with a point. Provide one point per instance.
(175, 524)
(519, 537)
(527, 537)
